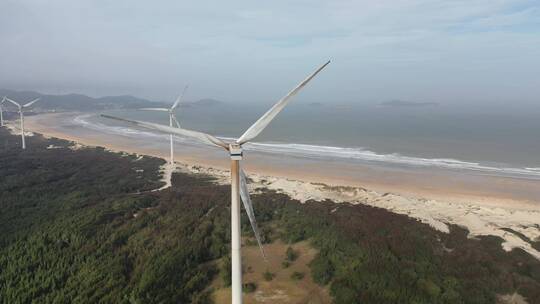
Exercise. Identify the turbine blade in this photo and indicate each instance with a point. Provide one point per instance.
(31, 102)
(155, 109)
(3, 100)
(244, 194)
(179, 98)
(260, 124)
(206, 138)
(175, 121)
(14, 102)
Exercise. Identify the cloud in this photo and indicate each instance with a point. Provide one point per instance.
(413, 49)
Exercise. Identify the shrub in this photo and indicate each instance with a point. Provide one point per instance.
(249, 287)
(226, 271)
(297, 275)
(291, 254)
(268, 276)
(322, 270)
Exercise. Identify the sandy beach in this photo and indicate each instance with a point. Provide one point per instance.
(485, 205)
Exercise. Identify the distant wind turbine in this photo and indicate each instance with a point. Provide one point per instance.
(238, 177)
(2, 112)
(21, 114)
(172, 118)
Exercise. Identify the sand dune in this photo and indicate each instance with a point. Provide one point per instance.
(479, 220)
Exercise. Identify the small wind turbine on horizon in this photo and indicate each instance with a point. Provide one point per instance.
(2, 112)
(172, 118)
(238, 177)
(21, 114)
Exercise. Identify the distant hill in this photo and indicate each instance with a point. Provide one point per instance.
(404, 103)
(125, 101)
(79, 102)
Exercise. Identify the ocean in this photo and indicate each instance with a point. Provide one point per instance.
(501, 142)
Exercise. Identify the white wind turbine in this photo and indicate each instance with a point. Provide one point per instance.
(21, 114)
(172, 118)
(2, 112)
(238, 177)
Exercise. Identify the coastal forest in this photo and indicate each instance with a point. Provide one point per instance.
(82, 225)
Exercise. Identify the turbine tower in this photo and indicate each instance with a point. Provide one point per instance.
(21, 114)
(2, 112)
(238, 177)
(172, 119)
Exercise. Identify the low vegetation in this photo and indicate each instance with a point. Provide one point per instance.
(297, 275)
(79, 226)
(268, 276)
(292, 255)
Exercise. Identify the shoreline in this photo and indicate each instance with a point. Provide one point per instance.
(432, 183)
(481, 213)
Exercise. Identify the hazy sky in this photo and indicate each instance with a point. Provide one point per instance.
(255, 51)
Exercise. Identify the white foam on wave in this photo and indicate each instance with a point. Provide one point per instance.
(329, 152)
(394, 158)
(83, 121)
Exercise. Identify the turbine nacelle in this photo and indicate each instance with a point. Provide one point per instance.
(236, 151)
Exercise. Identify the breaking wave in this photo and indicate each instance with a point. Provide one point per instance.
(329, 152)
(394, 158)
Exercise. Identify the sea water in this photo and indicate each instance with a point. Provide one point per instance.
(499, 141)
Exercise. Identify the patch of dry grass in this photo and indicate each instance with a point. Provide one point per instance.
(282, 288)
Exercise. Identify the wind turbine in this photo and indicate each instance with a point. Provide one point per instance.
(238, 177)
(2, 112)
(172, 119)
(21, 110)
